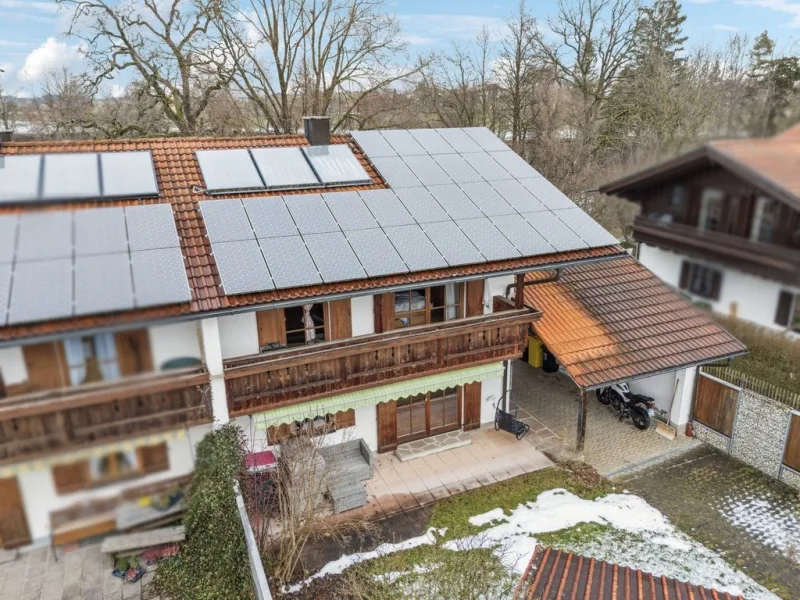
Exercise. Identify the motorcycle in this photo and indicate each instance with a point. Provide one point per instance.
(636, 406)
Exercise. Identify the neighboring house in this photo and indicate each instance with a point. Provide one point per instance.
(722, 224)
(149, 288)
(556, 574)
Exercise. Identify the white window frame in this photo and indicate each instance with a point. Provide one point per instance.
(709, 195)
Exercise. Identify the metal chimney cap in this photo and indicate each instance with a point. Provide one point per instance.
(6, 135)
(317, 130)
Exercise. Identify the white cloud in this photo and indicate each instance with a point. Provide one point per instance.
(789, 8)
(443, 27)
(9, 43)
(8, 16)
(701, 1)
(50, 55)
(34, 5)
(417, 40)
(720, 27)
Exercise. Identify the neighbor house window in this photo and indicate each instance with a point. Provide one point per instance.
(788, 312)
(766, 220)
(701, 280)
(305, 324)
(678, 196)
(711, 210)
(92, 358)
(427, 305)
(113, 467)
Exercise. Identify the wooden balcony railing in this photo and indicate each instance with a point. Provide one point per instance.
(283, 377)
(760, 258)
(41, 423)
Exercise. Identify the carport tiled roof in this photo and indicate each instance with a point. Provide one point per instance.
(555, 574)
(614, 320)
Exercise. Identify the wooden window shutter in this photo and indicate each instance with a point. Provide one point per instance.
(271, 327)
(784, 312)
(384, 312)
(686, 268)
(475, 298)
(46, 365)
(153, 459)
(387, 426)
(133, 352)
(472, 405)
(339, 320)
(71, 477)
(716, 284)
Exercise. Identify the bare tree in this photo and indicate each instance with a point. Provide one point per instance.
(63, 106)
(171, 45)
(325, 57)
(9, 110)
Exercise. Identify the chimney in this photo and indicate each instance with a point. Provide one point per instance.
(318, 130)
(6, 135)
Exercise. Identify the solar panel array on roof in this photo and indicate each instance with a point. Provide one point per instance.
(60, 264)
(76, 176)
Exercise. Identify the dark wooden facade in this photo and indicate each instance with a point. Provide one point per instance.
(41, 423)
(284, 377)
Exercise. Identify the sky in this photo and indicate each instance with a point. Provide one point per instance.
(32, 36)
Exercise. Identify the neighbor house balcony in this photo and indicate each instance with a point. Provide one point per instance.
(38, 424)
(776, 262)
(279, 378)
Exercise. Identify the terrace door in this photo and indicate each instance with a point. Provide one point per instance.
(408, 419)
(13, 523)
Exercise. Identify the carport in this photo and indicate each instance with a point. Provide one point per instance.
(613, 321)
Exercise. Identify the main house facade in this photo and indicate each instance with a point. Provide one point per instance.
(370, 284)
(722, 224)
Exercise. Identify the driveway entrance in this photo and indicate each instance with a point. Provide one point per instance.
(549, 403)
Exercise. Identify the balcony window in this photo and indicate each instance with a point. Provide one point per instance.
(678, 196)
(711, 205)
(766, 220)
(305, 324)
(427, 305)
(92, 358)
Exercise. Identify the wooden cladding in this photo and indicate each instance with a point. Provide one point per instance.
(339, 320)
(42, 423)
(13, 522)
(302, 374)
(715, 404)
(387, 426)
(472, 406)
(46, 366)
(475, 297)
(133, 352)
(791, 453)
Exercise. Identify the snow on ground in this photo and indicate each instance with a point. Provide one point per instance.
(771, 523)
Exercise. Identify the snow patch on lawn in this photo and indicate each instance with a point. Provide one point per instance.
(772, 524)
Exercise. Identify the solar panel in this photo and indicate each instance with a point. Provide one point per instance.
(487, 199)
(241, 267)
(334, 257)
(427, 170)
(19, 178)
(557, 234)
(457, 168)
(486, 166)
(228, 170)
(159, 277)
(485, 139)
(547, 193)
(515, 164)
(403, 142)
(5, 288)
(459, 140)
(70, 176)
(350, 211)
(151, 227)
(455, 202)
(100, 231)
(451, 242)
(226, 221)
(488, 239)
(386, 207)
(395, 172)
(128, 174)
(284, 167)
(103, 283)
(373, 144)
(42, 291)
(8, 238)
(415, 248)
(44, 235)
(336, 164)
(431, 141)
(270, 217)
(375, 252)
(311, 214)
(422, 206)
(524, 237)
(587, 228)
(289, 262)
(518, 196)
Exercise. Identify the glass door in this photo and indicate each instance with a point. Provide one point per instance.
(427, 414)
(412, 418)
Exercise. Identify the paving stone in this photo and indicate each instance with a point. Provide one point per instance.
(72, 592)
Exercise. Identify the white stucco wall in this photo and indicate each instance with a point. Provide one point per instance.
(12, 365)
(176, 340)
(491, 392)
(238, 335)
(362, 315)
(755, 298)
(659, 387)
(495, 286)
(40, 498)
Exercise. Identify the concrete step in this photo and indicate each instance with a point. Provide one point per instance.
(433, 445)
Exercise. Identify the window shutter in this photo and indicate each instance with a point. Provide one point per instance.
(271, 327)
(46, 365)
(684, 280)
(384, 312)
(133, 352)
(71, 477)
(154, 458)
(716, 284)
(339, 320)
(783, 314)
(475, 298)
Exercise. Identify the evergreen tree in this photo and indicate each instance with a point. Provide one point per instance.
(660, 29)
(774, 81)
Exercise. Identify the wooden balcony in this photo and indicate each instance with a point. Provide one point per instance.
(769, 260)
(41, 423)
(284, 377)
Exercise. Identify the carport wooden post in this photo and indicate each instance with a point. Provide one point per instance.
(584, 402)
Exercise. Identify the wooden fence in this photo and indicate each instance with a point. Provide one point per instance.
(715, 404)
(759, 386)
(791, 452)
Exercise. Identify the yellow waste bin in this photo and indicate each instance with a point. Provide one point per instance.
(535, 353)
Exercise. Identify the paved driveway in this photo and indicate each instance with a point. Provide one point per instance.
(549, 403)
